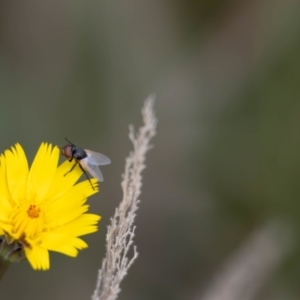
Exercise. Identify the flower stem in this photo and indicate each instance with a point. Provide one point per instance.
(4, 264)
(9, 252)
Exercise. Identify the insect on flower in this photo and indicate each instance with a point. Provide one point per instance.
(88, 161)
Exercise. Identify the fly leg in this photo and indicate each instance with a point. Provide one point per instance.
(83, 170)
(72, 168)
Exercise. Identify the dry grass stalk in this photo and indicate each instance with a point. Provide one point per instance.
(119, 238)
(252, 265)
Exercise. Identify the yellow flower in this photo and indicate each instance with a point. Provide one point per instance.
(40, 208)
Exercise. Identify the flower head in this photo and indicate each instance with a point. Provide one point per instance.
(42, 209)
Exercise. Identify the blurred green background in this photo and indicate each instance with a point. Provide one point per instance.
(226, 157)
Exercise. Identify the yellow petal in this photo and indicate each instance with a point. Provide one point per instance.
(6, 203)
(84, 224)
(65, 244)
(5, 193)
(62, 219)
(64, 180)
(74, 197)
(42, 171)
(5, 209)
(38, 257)
(16, 172)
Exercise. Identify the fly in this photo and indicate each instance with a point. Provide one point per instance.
(88, 161)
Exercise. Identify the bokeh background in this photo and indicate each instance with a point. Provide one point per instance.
(226, 157)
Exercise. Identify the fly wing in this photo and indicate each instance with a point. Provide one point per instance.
(96, 158)
(93, 169)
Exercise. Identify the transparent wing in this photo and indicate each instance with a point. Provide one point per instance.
(92, 169)
(96, 158)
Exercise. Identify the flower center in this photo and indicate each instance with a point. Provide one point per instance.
(33, 211)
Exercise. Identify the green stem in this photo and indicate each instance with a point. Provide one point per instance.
(9, 252)
(4, 264)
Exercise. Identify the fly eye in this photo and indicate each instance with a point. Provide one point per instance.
(67, 151)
